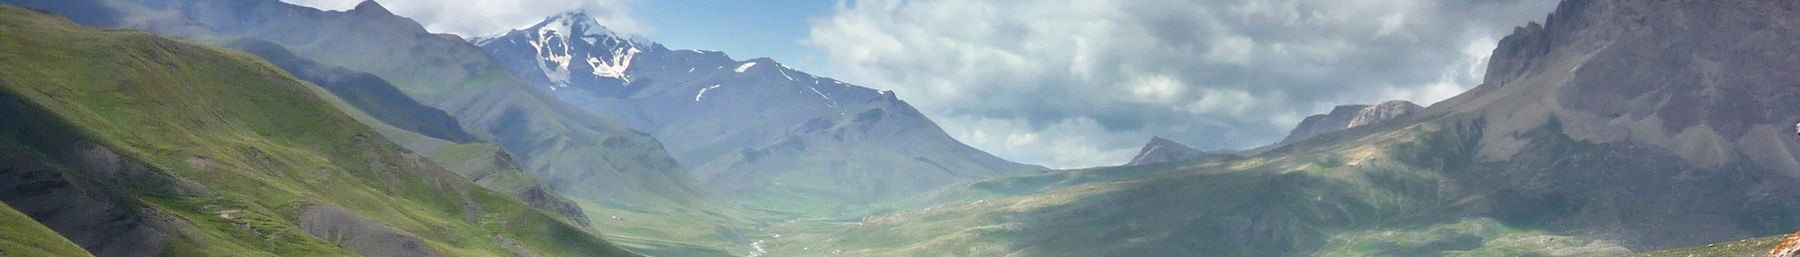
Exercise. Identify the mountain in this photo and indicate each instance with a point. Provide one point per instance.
(1346, 116)
(606, 167)
(1615, 126)
(426, 130)
(23, 236)
(756, 130)
(365, 92)
(1670, 95)
(185, 149)
(561, 143)
(1161, 150)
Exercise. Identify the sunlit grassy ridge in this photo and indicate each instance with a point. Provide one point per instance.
(258, 147)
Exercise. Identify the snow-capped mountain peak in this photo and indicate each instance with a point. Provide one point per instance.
(580, 25)
(575, 43)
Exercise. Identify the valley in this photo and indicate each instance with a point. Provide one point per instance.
(274, 128)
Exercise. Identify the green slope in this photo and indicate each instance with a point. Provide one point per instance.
(1754, 247)
(1365, 193)
(365, 92)
(185, 149)
(22, 236)
(580, 155)
(378, 104)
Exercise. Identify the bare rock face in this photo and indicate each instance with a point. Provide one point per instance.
(1687, 101)
(1338, 119)
(1789, 247)
(1383, 112)
(1161, 150)
(1702, 79)
(361, 235)
(1344, 117)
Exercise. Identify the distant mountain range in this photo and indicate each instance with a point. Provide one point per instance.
(1161, 150)
(1615, 126)
(1342, 117)
(755, 130)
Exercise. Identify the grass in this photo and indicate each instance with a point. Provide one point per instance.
(22, 236)
(1466, 237)
(1375, 194)
(265, 145)
(484, 163)
(1754, 247)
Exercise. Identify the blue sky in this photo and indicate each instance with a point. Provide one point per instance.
(743, 28)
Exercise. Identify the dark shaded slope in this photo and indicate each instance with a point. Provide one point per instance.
(20, 235)
(364, 91)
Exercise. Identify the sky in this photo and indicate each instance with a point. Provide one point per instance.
(1072, 83)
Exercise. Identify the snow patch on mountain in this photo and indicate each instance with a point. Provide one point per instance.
(559, 43)
(615, 67)
(746, 66)
(828, 102)
(556, 60)
(702, 93)
(785, 75)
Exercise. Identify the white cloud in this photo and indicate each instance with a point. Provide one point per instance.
(472, 18)
(1156, 89)
(1072, 83)
(1067, 140)
(1232, 49)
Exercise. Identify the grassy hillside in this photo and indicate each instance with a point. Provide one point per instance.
(1754, 247)
(581, 155)
(375, 103)
(1390, 192)
(365, 92)
(22, 236)
(203, 151)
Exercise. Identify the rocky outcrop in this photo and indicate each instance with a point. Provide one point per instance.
(1687, 101)
(1161, 150)
(1343, 117)
(1383, 112)
(1338, 119)
(1789, 247)
(361, 235)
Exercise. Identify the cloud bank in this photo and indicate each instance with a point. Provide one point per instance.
(1078, 83)
(473, 18)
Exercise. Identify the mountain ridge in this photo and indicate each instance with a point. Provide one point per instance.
(750, 128)
(1612, 127)
(606, 167)
(1161, 150)
(187, 149)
